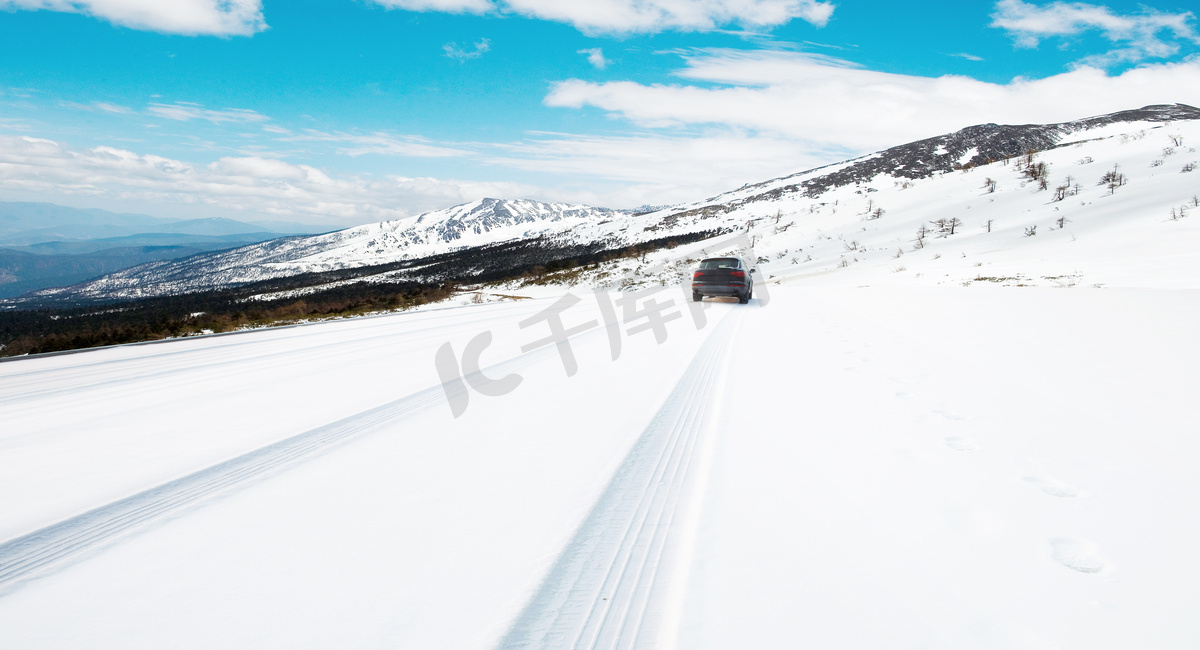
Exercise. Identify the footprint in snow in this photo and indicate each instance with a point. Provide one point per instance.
(951, 415)
(960, 443)
(1078, 554)
(1054, 487)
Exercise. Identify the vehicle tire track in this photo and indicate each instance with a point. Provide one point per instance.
(33, 553)
(608, 587)
(42, 550)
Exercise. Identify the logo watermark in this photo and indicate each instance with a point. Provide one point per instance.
(635, 311)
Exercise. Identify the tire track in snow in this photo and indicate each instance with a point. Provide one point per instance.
(35, 553)
(608, 587)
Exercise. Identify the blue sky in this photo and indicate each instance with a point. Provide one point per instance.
(349, 111)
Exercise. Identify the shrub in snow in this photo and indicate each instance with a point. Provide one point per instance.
(1113, 179)
(946, 227)
(922, 232)
(873, 211)
(1036, 171)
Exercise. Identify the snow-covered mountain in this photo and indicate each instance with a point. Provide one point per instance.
(482, 222)
(830, 218)
(970, 148)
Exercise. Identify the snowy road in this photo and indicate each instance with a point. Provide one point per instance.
(611, 586)
(947, 468)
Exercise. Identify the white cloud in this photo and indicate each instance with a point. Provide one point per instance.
(31, 167)
(448, 6)
(458, 54)
(24, 93)
(635, 170)
(1029, 24)
(184, 111)
(595, 57)
(831, 103)
(113, 108)
(10, 124)
(98, 106)
(969, 57)
(192, 17)
(613, 171)
(621, 16)
(659, 15)
(380, 143)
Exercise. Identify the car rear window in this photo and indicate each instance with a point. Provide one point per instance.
(720, 263)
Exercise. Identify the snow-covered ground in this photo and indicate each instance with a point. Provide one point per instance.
(946, 467)
(1140, 234)
(987, 441)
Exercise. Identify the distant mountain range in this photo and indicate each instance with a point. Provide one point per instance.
(475, 224)
(45, 245)
(23, 224)
(494, 221)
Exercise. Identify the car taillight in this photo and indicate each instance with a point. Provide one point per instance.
(737, 274)
(697, 274)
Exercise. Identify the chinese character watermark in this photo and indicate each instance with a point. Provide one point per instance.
(636, 310)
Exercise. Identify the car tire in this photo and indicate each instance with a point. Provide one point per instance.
(743, 298)
(696, 297)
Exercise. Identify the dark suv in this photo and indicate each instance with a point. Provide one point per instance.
(723, 276)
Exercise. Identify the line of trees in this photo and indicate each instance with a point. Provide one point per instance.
(55, 328)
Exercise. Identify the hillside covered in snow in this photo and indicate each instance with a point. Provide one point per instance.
(989, 192)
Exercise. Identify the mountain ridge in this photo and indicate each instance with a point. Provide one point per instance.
(490, 221)
(921, 159)
(27, 223)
